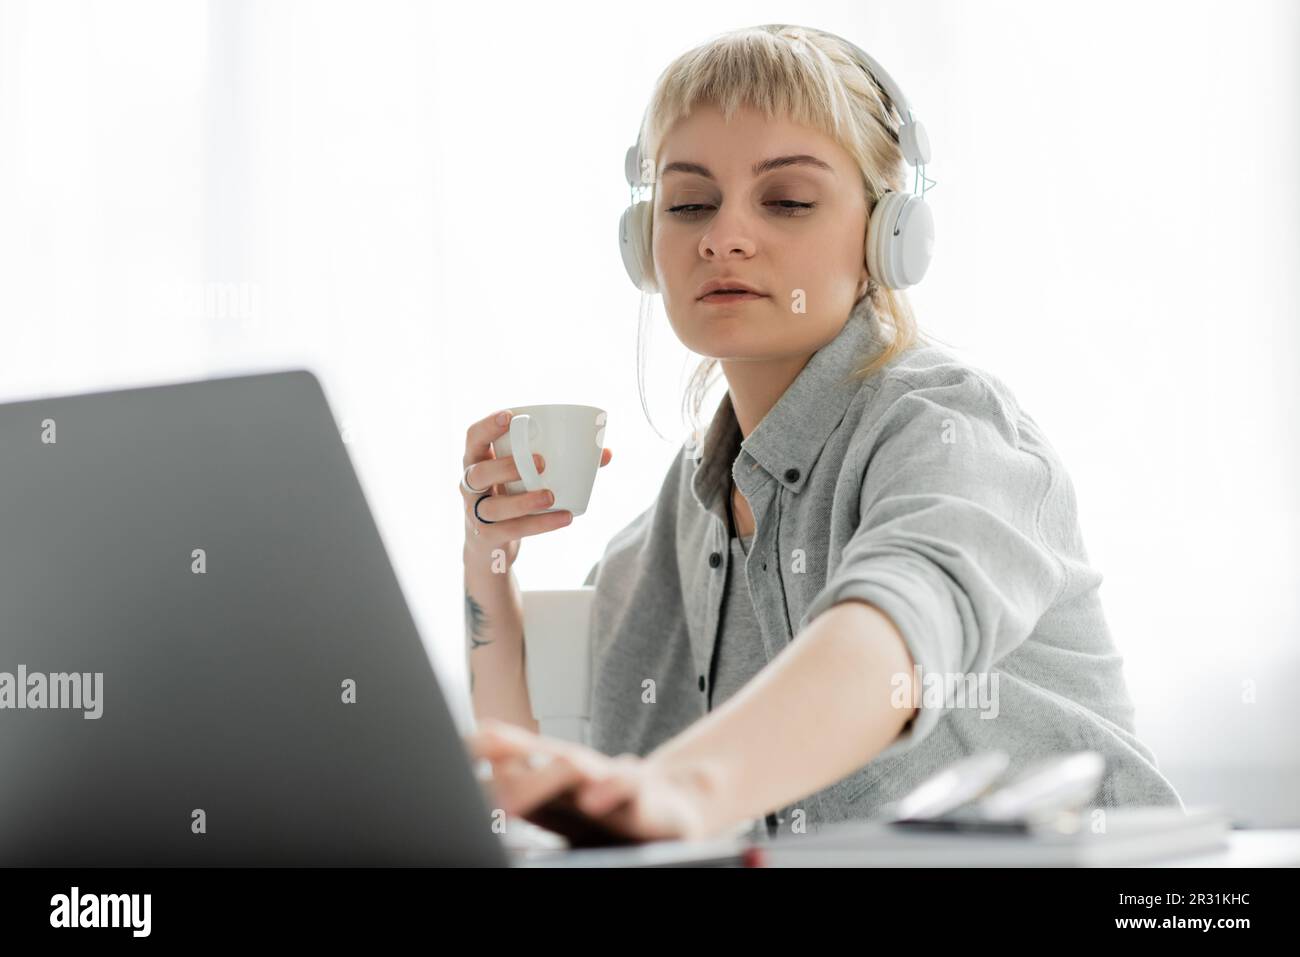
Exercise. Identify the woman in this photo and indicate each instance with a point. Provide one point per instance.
(870, 566)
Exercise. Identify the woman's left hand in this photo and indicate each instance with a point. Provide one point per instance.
(586, 796)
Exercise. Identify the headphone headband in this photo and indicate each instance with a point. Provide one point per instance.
(912, 139)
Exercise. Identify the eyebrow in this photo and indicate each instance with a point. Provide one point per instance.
(765, 166)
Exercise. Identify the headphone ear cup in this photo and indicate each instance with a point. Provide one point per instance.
(634, 242)
(900, 240)
(879, 236)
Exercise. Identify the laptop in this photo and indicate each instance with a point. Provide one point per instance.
(205, 655)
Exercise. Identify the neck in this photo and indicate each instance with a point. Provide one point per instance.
(756, 385)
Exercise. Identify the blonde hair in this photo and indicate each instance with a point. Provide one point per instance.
(814, 79)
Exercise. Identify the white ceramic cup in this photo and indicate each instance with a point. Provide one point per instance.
(569, 438)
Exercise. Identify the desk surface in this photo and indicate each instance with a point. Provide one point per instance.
(1247, 848)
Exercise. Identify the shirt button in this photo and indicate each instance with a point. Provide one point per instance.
(701, 682)
(714, 561)
(792, 475)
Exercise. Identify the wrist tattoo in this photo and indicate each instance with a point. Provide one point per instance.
(475, 623)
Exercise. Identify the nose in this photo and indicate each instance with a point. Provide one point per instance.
(727, 237)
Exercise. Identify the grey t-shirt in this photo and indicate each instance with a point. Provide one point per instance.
(923, 489)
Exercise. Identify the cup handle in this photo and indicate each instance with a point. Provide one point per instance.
(523, 453)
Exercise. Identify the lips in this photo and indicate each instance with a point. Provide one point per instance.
(727, 287)
(726, 298)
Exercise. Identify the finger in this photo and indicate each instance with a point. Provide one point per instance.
(479, 436)
(602, 796)
(522, 785)
(517, 528)
(499, 508)
(494, 738)
(647, 818)
(520, 789)
(537, 524)
(623, 778)
(489, 473)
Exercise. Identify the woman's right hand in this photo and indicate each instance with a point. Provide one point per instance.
(510, 513)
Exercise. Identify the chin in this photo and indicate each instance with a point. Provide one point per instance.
(731, 334)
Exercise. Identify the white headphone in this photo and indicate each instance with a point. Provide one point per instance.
(900, 235)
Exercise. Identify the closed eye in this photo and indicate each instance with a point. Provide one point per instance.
(782, 207)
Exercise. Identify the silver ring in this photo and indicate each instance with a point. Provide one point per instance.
(464, 482)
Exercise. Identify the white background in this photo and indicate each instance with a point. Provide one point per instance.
(421, 204)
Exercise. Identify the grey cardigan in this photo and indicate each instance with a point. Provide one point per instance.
(923, 489)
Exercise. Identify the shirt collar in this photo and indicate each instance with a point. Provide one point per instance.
(788, 440)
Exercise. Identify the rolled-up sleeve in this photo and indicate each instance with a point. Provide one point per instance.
(949, 542)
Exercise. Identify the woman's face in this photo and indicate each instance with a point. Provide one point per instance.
(774, 205)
